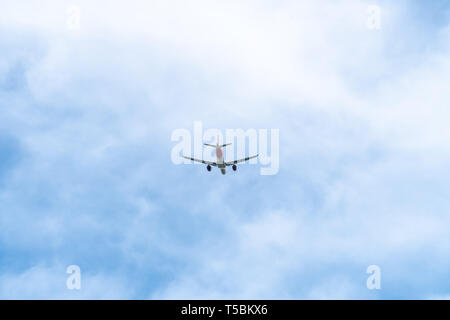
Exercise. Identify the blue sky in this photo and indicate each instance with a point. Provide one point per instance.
(86, 176)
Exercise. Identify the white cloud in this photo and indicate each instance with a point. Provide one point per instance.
(364, 142)
(49, 282)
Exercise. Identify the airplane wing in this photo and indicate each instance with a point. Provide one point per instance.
(201, 161)
(240, 160)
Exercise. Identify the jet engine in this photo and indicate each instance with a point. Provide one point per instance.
(208, 167)
(234, 167)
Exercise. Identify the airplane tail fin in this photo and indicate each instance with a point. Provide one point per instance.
(217, 145)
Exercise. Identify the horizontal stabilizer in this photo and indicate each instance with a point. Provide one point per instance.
(215, 146)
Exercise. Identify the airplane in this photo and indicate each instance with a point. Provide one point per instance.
(220, 163)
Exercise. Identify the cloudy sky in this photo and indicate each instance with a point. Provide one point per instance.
(86, 177)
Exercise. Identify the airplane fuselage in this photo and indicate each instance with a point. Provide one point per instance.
(220, 163)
